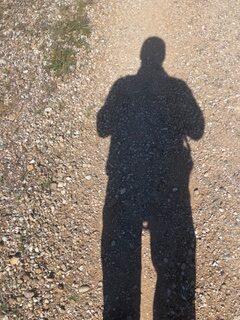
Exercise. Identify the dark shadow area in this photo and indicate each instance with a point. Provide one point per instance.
(149, 117)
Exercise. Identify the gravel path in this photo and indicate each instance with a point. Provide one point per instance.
(120, 179)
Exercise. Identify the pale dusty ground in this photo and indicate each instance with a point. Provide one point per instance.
(51, 211)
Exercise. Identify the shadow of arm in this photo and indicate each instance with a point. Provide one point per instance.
(105, 117)
(191, 116)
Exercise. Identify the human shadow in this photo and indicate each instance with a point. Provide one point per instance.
(149, 117)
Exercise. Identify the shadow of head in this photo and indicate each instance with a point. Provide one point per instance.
(153, 51)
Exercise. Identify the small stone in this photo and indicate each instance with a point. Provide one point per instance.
(84, 288)
(60, 185)
(122, 191)
(63, 267)
(88, 178)
(38, 271)
(183, 266)
(28, 294)
(113, 243)
(198, 290)
(11, 117)
(53, 186)
(174, 189)
(214, 264)
(1, 144)
(48, 110)
(11, 301)
(14, 261)
(30, 167)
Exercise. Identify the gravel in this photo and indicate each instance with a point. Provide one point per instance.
(52, 169)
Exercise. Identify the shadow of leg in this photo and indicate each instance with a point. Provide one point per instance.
(121, 263)
(173, 255)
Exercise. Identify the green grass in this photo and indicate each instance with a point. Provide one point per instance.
(1, 179)
(73, 32)
(69, 34)
(61, 60)
(45, 184)
(74, 298)
(4, 307)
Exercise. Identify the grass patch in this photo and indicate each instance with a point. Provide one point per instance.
(2, 179)
(73, 32)
(69, 34)
(4, 308)
(45, 185)
(74, 298)
(61, 60)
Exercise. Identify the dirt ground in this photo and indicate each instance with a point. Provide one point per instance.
(62, 169)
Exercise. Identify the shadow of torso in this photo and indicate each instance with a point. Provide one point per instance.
(149, 117)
